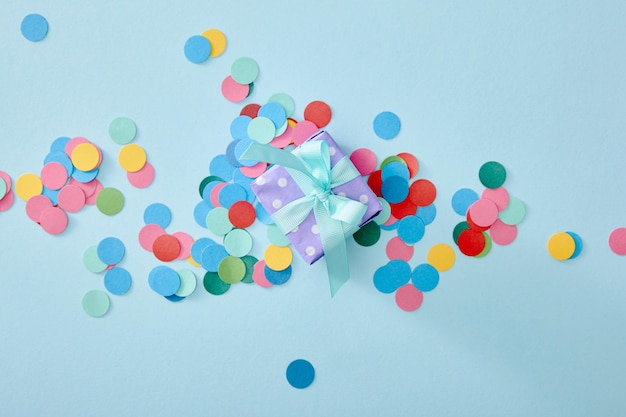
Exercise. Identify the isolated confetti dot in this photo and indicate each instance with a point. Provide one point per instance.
(386, 125)
(197, 49)
(300, 373)
(34, 27)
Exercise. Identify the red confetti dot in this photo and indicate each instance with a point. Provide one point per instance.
(471, 242)
(375, 181)
(403, 209)
(422, 193)
(411, 163)
(250, 110)
(318, 112)
(473, 225)
(166, 248)
(241, 214)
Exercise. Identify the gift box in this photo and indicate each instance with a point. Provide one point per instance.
(279, 186)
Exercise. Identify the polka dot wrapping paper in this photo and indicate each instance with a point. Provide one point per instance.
(276, 188)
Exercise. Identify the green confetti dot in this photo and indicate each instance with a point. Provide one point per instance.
(384, 214)
(122, 130)
(91, 260)
(214, 284)
(238, 242)
(206, 181)
(392, 158)
(231, 269)
(261, 129)
(368, 235)
(244, 70)
(276, 236)
(110, 201)
(284, 100)
(492, 174)
(217, 221)
(250, 261)
(514, 213)
(188, 282)
(96, 303)
(458, 229)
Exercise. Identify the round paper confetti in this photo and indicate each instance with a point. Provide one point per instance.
(117, 280)
(425, 277)
(411, 229)
(277, 277)
(166, 248)
(561, 246)
(275, 112)
(302, 131)
(238, 242)
(122, 130)
(462, 199)
(483, 212)
(148, 234)
(217, 221)
(578, 242)
(111, 250)
(244, 70)
(258, 275)
(34, 27)
(233, 91)
(318, 112)
(53, 175)
(411, 163)
(141, 178)
(502, 233)
(188, 282)
(164, 280)
(185, 241)
(492, 174)
(231, 269)
(397, 249)
(386, 125)
(71, 198)
(91, 260)
(261, 129)
(471, 242)
(284, 100)
(53, 220)
(28, 185)
(157, 213)
(368, 234)
(241, 214)
(422, 192)
(85, 157)
(617, 241)
(388, 278)
(300, 373)
(110, 201)
(441, 257)
(278, 258)
(364, 160)
(36, 205)
(132, 157)
(96, 303)
(409, 298)
(394, 189)
(213, 284)
(218, 41)
(197, 49)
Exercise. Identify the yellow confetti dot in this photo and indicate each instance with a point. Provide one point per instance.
(278, 258)
(561, 246)
(217, 39)
(27, 186)
(85, 156)
(192, 261)
(132, 157)
(441, 256)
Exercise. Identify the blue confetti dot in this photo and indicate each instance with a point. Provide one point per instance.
(230, 153)
(201, 210)
(85, 176)
(34, 27)
(300, 373)
(386, 125)
(411, 229)
(239, 127)
(199, 246)
(277, 277)
(111, 250)
(578, 242)
(392, 276)
(197, 49)
(462, 199)
(53, 195)
(427, 213)
(275, 112)
(117, 280)
(164, 280)
(394, 189)
(232, 193)
(158, 213)
(395, 168)
(243, 146)
(220, 167)
(262, 214)
(174, 298)
(61, 158)
(211, 258)
(58, 145)
(425, 277)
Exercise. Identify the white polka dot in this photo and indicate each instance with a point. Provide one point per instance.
(315, 229)
(341, 193)
(363, 199)
(277, 204)
(295, 229)
(260, 180)
(310, 250)
(332, 151)
(282, 182)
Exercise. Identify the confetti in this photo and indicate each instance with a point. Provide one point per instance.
(244, 70)
(96, 303)
(122, 130)
(617, 241)
(561, 246)
(110, 201)
(197, 49)
(386, 125)
(218, 41)
(300, 373)
(318, 112)
(117, 280)
(34, 27)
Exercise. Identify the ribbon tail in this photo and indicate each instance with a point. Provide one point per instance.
(334, 245)
(268, 153)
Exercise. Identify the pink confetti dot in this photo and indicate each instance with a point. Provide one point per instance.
(53, 175)
(483, 212)
(617, 241)
(233, 91)
(148, 234)
(302, 131)
(364, 160)
(499, 195)
(36, 205)
(502, 233)
(255, 170)
(72, 143)
(186, 241)
(71, 198)
(142, 178)
(409, 298)
(258, 275)
(7, 201)
(53, 220)
(397, 249)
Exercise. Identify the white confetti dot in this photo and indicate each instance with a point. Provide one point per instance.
(277, 204)
(363, 199)
(310, 250)
(260, 180)
(315, 229)
(282, 182)
(332, 151)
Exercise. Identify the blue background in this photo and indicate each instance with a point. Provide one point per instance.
(536, 85)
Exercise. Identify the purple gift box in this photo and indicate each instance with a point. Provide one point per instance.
(275, 188)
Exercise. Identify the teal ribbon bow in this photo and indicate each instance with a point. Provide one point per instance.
(337, 217)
